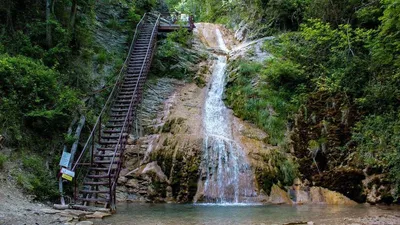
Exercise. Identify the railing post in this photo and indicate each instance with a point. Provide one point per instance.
(99, 128)
(75, 188)
(91, 153)
(110, 189)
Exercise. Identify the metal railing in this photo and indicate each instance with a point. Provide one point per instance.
(85, 159)
(121, 143)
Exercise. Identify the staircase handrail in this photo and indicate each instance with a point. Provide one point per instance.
(110, 97)
(119, 144)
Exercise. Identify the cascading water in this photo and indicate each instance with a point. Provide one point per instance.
(228, 176)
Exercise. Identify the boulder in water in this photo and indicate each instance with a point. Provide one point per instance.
(279, 196)
(323, 195)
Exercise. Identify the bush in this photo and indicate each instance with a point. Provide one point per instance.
(36, 179)
(283, 74)
(378, 143)
(32, 97)
(173, 59)
(3, 159)
(278, 168)
(261, 94)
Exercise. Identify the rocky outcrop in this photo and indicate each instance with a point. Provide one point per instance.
(378, 188)
(323, 195)
(162, 162)
(319, 133)
(279, 196)
(307, 195)
(241, 31)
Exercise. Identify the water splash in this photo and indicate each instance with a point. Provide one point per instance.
(228, 176)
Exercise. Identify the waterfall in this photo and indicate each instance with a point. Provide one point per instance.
(226, 173)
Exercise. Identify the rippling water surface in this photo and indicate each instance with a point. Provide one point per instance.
(178, 214)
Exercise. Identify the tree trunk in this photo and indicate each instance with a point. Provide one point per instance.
(48, 26)
(72, 16)
(53, 5)
(77, 135)
(9, 18)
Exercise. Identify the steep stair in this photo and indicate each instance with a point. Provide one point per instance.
(98, 166)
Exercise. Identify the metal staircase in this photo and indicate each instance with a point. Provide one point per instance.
(97, 167)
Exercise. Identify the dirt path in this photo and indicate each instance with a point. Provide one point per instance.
(15, 208)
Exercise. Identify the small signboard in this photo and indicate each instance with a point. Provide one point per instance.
(67, 174)
(67, 177)
(65, 158)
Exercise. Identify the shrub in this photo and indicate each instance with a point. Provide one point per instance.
(378, 139)
(36, 179)
(3, 159)
(32, 97)
(283, 74)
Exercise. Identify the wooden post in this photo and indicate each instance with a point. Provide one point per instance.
(77, 135)
(60, 183)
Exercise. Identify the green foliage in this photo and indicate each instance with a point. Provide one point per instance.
(340, 48)
(114, 24)
(378, 139)
(3, 159)
(36, 179)
(278, 168)
(143, 6)
(43, 81)
(31, 96)
(263, 94)
(283, 74)
(173, 57)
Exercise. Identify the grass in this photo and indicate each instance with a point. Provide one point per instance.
(251, 96)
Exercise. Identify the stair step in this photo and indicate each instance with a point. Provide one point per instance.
(103, 142)
(115, 125)
(133, 82)
(117, 115)
(116, 120)
(98, 168)
(111, 131)
(112, 137)
(127, 89)
(130, 78)
(105, 161)
(119, 106)
(94, 199)
(94, 191)
(99, 176)
(123, 101)
(125, 98)
(106, 149)
(107, 155)
(96, 182)
(125, 93)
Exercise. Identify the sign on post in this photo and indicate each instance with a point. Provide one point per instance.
(65, 158)
(67, 174)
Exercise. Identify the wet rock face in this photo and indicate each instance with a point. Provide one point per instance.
(378, 189)
(162, 161)
(169, 174)
(180, 161)
(241, 31)
(319, 136)
(347, 181)
(307, 195)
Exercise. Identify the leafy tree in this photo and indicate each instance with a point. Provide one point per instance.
(32, 96)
